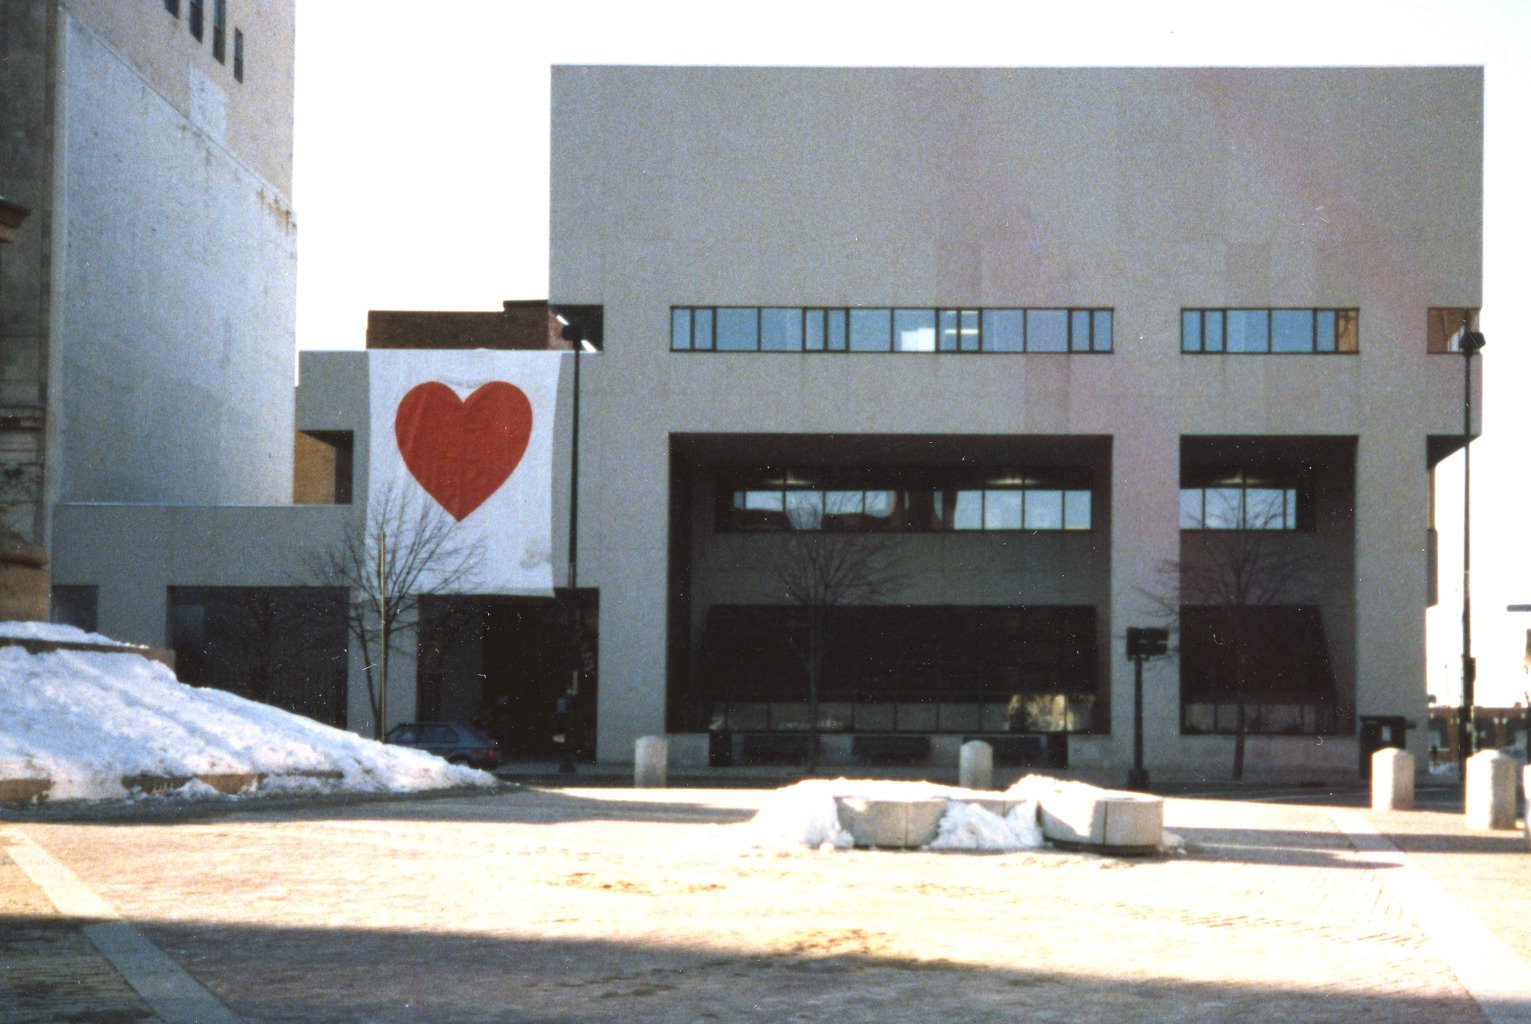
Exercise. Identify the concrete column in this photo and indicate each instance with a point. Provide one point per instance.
(975, 765)
(651, 756)
(1392, 780)
(1490, 790)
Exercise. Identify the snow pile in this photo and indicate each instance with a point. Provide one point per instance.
(805, 816)
(57, 633)
(974, 827)
(88, 719)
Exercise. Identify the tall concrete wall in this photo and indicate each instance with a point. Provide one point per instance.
(173, 286)
(1140, 189)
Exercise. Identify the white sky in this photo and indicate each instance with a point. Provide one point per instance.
(421, 177)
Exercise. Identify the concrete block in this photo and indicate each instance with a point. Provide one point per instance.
(1104, 819)
(651, 756)
(1490, 790)
(1392, 780)
(975, 765)
(891, 824)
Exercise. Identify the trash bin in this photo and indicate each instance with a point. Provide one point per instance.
(1378, 732)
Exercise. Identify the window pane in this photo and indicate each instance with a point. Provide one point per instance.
(813, 330)
(1047, 330)
(1292, 330)
(968, 515)
(1002, 510)
(1079, 330)
(1345, 330)
(946, 330)
(781, 330)
(737, 329)
(680, 328)
(1224, 510)
(805, 509)
(1214, 324)
(1076, 510)
(1291, 507)
(1003, 330)
(764, 501)
(879, 504)
(869, 330)
(701, 337)
(842, 503)
(1248, 330)
(1325, 325)
(1044, 510)
(1102, 337)
(914, 330)
(836, 319)
(970, 330)
(1190, 330)
(1190, 508)
(1264, 508)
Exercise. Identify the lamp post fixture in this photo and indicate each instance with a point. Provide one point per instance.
(1471, 344)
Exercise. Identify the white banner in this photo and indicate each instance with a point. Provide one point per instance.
(471, 431)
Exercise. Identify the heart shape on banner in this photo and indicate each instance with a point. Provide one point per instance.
(460, 451)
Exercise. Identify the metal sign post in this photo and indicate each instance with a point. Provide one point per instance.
(1143, 642)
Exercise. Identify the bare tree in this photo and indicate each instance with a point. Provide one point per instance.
(392, 561)
(1247, 560)
(816, 570)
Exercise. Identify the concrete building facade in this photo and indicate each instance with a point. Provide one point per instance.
(1067, 347)
(147, 305)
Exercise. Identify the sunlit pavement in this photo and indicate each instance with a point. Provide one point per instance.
(608, 904)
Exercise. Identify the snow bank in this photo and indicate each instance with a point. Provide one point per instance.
(805, 816)
(88, 719)
(56, 633)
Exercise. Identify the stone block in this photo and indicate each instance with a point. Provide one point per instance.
(651, 755)
(1392, 780)
(1490, 790)
(975, 765)
(891, 824)
(1103, 819)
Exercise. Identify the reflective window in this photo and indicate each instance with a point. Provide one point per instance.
(1047, 330)
(805, 509)
(1076, 510)
(702, 330)
(914, 330)
(781, 330)
(1004, 330)
(738, 329)
(869, 330)
(1236, 500)
(813, 330)
(1002, 510)
(1101, 338)
(680, 329)
(1079, 330)
(967, 514)
(837, 329)
(1268, 330)
(1044, 510)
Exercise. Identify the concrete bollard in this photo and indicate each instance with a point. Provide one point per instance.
(1490, 790)
(1525, 787)
(975, 765)
(1392, 780)
(651, 758)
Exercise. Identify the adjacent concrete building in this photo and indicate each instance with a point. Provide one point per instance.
(1068, 350)
(147, 304)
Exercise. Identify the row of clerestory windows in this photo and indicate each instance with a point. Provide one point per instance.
(196, 24)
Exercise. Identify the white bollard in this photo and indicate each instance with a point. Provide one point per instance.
(1392, 780)
(975, 765)
(1490, 790)
(651, 758)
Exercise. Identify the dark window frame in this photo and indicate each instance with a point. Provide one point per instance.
(1198, 345)
(220, 30)
(835, 329)
(174, 8)
(194, 19)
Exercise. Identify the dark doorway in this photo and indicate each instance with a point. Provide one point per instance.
(504, 664)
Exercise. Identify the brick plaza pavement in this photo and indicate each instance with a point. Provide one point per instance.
(612, 904)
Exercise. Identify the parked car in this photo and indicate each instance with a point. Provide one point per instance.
(453, 741)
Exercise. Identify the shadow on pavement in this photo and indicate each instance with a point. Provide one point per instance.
(320, 975)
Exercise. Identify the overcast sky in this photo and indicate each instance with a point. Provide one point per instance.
(421, 177)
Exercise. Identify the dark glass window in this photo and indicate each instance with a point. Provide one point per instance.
(174, 7)
(882, 329)
(220, 23)
(239, 56)
(1261, 668)
(1240, 500)
(194, 19)
(74, 605)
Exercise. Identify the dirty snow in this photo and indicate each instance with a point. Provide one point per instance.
(87, 719)
(804, 816)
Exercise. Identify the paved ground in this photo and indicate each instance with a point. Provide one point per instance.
(610, 904)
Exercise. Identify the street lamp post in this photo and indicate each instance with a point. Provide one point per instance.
(1471, 344)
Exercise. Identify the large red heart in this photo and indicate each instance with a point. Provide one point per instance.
(461, 452)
